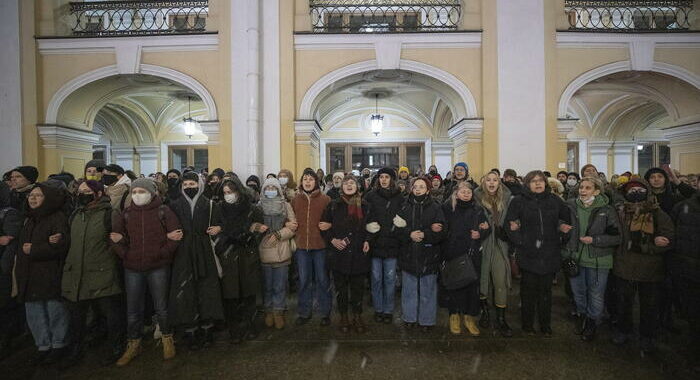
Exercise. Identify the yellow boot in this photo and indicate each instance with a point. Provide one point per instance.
(168, 346)
(133, 348)
(269, 319)
(278, 317)
(470, 324)
(455, 325)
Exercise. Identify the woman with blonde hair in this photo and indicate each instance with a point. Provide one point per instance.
(495, 198)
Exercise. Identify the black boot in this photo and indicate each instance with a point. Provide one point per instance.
(192, 341)
(580, 324)
(72, 357)
(206, 336)
(588, 332)
(501, 324)
(485, 320)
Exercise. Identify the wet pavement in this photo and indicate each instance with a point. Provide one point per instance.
(390, 352)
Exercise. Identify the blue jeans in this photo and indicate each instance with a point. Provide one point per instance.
(589, 291)
(48, 321)
(313, 275)
(275, 297)
(419, 299)
(158, 285)
(383, 284)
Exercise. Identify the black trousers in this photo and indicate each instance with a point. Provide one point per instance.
(111, 308)
(349, 290)
(649, 298)
(689, 292)
(466, 300)
(240, 313)
(536, 298)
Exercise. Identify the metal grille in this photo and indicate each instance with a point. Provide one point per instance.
(629, 16)
(118, 18)
(384, 16)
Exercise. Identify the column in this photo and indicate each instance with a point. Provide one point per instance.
(307, 134)
(623, 157)
(442, 156)
(65, 149)
(10, 87)
(123, 155)
(684, 142)
(521, 84)
(466, 136)
(270, 143)
(148, 158)
(599, 154)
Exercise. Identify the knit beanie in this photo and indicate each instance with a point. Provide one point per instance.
(462, 164)
(144, 183)
(29, 172)
(388, 171)
(95, 186)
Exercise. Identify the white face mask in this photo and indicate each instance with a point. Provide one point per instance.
(141, 198)
(231, 198)
(283, 181)
(270, 193)
(571, 182)
(587, 201)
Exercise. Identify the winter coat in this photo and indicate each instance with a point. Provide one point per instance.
(117, 193)
(92, 269)
(333, 193)
(237, 248)
(538, 240)
(145, 245)
(10, 225)
(278, 251)
(383, 205)
(466, 216)
(496, 243)
(685, 259)
(603, 226)
(643, 261)
(195, 292)
(308, 209)
(351, 260)
(420, 258)
(450, 187)
(38, 273)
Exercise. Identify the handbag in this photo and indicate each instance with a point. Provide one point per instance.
(212, 242)
(458, 272)
(570, 266)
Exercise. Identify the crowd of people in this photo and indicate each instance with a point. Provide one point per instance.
(185, 254)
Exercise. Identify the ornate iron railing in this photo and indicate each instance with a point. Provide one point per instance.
(629, 15)
(384, 16)
(119, 18)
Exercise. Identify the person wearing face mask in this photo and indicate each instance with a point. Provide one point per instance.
(348, 246)
(145, 236)
(433, 171)
(468, 227)
(91, 273)
(334, 192)
(420, 228)
(639, 263)
(253, 183)
(289, 186)
(384, 200)
(173, 181)
(93, 170)
(195, 293)
(594, 237)
(366, 173)
(116, 186)
(311, 254)
(495, 276)
(237, 247)
(534, 222)
(571, 185)
(275, 251)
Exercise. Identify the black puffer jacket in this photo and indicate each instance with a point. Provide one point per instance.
(465, 217)
(383, 205)
(538, 240)
(350, 260)
(685, 259)
(424, 257)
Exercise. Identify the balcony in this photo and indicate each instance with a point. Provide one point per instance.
(138, 18)
(629, 16)
(384, 16)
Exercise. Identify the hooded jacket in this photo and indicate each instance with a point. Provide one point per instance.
(383, 204)
(603, 226)
(424, 257)
(308, 209)
(39, 272)
(686, 255)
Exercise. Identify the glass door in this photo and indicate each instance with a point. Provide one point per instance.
(356, 156)
(180, 157)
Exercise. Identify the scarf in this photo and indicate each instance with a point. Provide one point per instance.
(354, 203)
(641, 216)
(274, 212)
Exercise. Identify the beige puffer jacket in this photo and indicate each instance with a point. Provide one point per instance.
(278, 251)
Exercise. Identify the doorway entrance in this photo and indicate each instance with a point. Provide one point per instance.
(356, 156)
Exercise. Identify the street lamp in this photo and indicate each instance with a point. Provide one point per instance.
(377, 120)
(189, 124)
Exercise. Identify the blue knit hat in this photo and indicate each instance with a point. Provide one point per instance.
(463, 164)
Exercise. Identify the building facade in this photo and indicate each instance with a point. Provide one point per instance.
(260, 85)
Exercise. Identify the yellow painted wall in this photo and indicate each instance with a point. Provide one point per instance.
(289, 151)
(688, 59)
(489, 97)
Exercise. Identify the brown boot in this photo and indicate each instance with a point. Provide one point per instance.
(269, 319)
(168, 346)
(470, 324)
(133, 348)
(359, 324)
(278, 317)
(344, 324)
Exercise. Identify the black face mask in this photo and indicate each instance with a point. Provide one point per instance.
(433, 172)
(109, 179)
(191, 192)
(255, 187)
(85, 199)
(636, 197)
(366, 175)
(172, 182)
